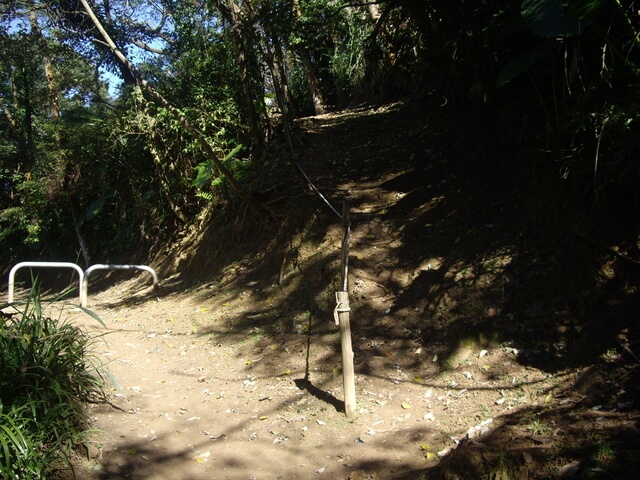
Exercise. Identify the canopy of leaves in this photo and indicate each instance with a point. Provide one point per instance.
(114, 158)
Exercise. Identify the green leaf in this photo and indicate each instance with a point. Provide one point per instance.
(517, 66)
(203, 176)
(583, 9)
(232, 153)
(93, 315)
(96, 207)
(13, 433)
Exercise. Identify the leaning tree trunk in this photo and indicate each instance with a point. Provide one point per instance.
(156, 96)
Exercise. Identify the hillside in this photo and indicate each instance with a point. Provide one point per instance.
(494, 316)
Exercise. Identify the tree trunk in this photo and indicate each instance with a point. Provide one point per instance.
(319, 105)
(318, 100)
(13, 120)
(76, 215)
(202, 141)
(54, 108)
(243, 64)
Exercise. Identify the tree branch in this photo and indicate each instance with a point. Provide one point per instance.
(202, 141)
(147, 47)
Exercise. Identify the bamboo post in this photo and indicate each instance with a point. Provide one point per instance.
(342, 318)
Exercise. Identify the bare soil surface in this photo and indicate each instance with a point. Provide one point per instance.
(491, 340)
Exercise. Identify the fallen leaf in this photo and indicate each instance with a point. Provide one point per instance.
(203, 457)
(406, 405)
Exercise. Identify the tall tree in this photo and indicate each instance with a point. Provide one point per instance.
(69, 172)
(302, 49)
(240, 21)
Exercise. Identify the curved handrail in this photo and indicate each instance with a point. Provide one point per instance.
(12, 273)
(99, 266)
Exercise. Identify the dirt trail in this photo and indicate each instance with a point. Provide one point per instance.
(232, 369)
(187, 406)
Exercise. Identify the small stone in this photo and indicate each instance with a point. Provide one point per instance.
(569, 470)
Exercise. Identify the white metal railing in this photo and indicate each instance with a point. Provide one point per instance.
(84, 286)
(12, 273)
(83, 276)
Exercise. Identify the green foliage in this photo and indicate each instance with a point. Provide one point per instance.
(47, 159)
(349, 57)
(561, 68)
(47, 374)
(210, 185)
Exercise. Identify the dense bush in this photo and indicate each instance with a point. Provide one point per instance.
(47, 374)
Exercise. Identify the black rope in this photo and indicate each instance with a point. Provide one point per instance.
(293, 155)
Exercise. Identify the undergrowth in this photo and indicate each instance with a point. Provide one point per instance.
(47, 375)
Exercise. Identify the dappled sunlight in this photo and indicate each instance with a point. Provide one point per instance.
(465, 321)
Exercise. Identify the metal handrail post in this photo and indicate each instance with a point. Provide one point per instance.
(100, 266)
(12, 273)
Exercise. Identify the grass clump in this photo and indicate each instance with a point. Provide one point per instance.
(47, 375)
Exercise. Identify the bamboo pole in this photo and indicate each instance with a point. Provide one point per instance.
(342, 317)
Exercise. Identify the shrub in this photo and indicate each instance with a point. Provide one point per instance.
(47, 374)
